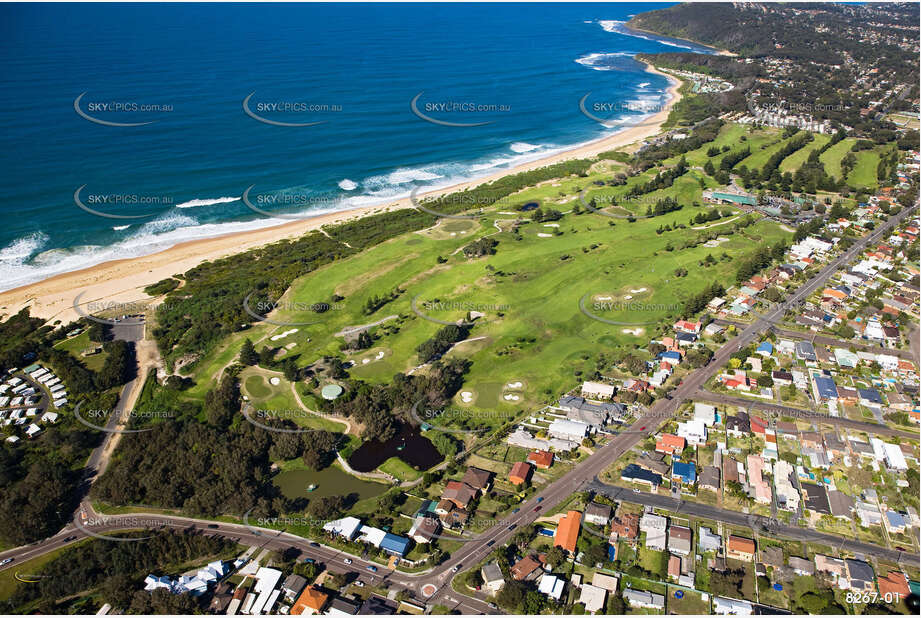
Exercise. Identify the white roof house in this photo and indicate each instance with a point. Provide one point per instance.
(705, 413)
(891, 454)
(597, 390)
(568, 430)
(347, 527)
(33, 430)
(695, 432)
(266, 581)
(592, 597)
(551, 585)
(654, 526)
(736, 607)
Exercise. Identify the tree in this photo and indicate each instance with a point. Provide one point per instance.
(555, 556)
(511, 596)
(248, 355)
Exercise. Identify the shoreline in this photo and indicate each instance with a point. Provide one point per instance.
(123, 280)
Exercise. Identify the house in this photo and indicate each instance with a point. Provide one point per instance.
(694, 431)
(654, 526)
(674, 566)
(424, 529)
(679, 540)
(566, 429)
(683, 326)
(312, 601)
(684, 472)
(824, 387)
(860, 575)
(541, 459)
(709, 478)
(527, 569)
(607, 582)
(598, 514)
(653, 463)
(477, 478)
(708, 541)
(841, 504)
(592, 597)
(552, 586)
(738, 425)
(765, 348)
(870, 397)
(868, 514)
(459, 493)
(596, 414)
(895, 522)
(772, 556)
(395, 545)
(705, 413)
(493, 579)
(894, 585)
(760, 488)
(670, 444)
(343, 607)
(832, 566)
(805, 351)
(816, 499)
(597, 390)
(801, 566)
(567, 531)
(293, 586)
(378, 606)
(724, 606)
(347, 527)
(635, 474)
(740, 548)
(625, 526)
(644, 600)
(782, 377)
(520, 473)
(846, 358)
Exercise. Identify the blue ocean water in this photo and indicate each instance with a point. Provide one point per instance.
(349, 71)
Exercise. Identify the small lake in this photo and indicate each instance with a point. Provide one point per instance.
(409, 445)
(331, 481)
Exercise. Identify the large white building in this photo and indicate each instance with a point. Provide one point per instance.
(566, 429)
(654, 526)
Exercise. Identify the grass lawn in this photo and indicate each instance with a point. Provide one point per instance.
(831, 158)
(864, 172)
(690, 603)
(400, 469)
(76, 345)
(795, 160)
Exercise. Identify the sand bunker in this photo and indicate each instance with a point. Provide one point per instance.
(604, 298)
(284, 334)
(466, 396)
(514, 385)
(542, 235)
(628, 297)
(274, 381)
(633, 331)
(511, 397)
(551, 225)
(638, 290)
(379, 356)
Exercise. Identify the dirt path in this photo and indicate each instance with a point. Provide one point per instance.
(351, 330)
(350, 428)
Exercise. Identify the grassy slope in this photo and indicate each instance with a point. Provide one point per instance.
(831, 158)
(795, 160)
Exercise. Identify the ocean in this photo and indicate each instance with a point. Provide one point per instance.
(127, 129)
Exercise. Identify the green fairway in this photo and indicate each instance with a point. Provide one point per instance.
(831, 158)
(864, 172)
(796, 160)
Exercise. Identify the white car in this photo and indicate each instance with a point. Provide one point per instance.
(348, 561)
(5, 561)
(359, 583)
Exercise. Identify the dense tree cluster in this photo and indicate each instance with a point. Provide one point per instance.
(115, 570)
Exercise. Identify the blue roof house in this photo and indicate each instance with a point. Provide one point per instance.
(396, 545)
(685, 472)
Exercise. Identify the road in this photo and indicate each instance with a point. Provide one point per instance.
(580, 478)
(812, 415)
(758, 523)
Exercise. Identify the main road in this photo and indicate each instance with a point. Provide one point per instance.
(434, 585)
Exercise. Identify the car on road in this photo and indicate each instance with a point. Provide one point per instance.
(456, 567)
(491, 543)
(643, 428)
(348, 561)
(513, 526)
(5, 561)
(314, 544)
(309, 561)
(212, 526)
(516, 510)
(636, 490)
(371, 568)
(541, 499)
(492, 606)
(536, 508)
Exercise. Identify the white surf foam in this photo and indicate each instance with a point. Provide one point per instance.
(522, 147)
(207, 202)
(619, 27)
(347, 185)
(119, 228)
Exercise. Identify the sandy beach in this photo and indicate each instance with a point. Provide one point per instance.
(122, 281)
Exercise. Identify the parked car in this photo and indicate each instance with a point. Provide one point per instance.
(541, 499)
(5, 561)
(348, 561)
(371, 568)
(456, 567)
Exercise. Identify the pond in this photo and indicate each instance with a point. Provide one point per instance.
(409, 445)
(331, 481)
